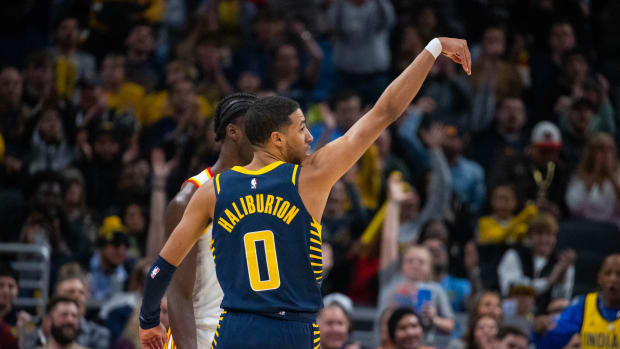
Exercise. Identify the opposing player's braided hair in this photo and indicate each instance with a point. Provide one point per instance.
(228, 109)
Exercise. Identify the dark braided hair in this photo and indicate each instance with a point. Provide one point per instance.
(228, 109)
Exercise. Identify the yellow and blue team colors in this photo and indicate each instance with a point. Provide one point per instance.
(596, 332)
(267, 249)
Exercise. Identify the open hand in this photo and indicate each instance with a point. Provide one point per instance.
(434, 136)
(396, 187)
(153, 338)
(457, 50)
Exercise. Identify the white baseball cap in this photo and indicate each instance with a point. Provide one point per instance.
(546, 134)
(342, 300)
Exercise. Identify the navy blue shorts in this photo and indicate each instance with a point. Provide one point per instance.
(240, 330)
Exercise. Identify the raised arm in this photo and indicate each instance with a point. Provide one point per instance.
(183, 238)
(391, 222)
(328, 164)
(182, 320)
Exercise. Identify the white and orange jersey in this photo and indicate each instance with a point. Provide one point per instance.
(202, 177)
(207, 292)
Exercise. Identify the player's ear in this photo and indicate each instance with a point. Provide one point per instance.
(233, 132)
(277, 138)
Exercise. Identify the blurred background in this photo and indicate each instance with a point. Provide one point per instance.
(497, 193)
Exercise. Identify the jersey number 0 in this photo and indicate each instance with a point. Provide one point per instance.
(273, 280)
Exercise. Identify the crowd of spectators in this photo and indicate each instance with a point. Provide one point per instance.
(448, 228)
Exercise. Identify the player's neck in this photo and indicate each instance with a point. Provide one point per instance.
(262, 158)
(227, 159)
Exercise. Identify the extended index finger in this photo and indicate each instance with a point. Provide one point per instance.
(467, 58)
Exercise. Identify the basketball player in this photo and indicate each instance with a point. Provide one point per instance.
(195, 294)
(266, 236)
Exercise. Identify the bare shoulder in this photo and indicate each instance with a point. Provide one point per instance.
(181, 199)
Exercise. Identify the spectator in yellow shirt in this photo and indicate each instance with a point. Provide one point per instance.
(121, 96)
(158, 104)
(505, 225)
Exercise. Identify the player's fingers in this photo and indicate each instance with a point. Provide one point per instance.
(467, 57)
(156, 343)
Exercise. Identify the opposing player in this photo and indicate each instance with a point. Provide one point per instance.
(195, 295)
(266, 243)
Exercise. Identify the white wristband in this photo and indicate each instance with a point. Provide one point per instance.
(434, 47)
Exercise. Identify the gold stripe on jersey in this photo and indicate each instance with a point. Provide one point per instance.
(317, 336)
(217, 183)
(315, 249)
(263, 170)
(294, 173)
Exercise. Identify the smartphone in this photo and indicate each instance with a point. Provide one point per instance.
(424, 296)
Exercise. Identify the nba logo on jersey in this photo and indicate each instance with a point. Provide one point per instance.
(154, 272)
(253, 183)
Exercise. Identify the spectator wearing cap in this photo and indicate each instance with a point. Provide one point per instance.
(538, 174)
(405, 329)
(594, 189)
(519, 305)
(507, 135)
(550, 272)
(107, 272)
(335, 322)
(64, 320)
(71, 63)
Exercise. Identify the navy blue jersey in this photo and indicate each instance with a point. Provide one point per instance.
(266, 246)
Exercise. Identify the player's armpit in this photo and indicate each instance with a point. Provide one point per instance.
(197, 214)
(177, 206)
(181, 303)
